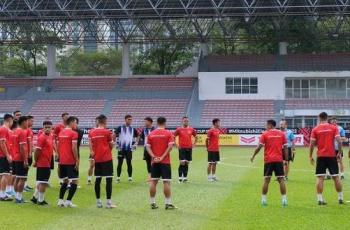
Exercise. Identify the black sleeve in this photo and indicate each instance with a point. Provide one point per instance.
(136, 133)
(142, 135)
(117, 131)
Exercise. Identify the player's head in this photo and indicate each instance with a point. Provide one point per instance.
(30, 121)
(101, 120)
(47, 127)
(216, 122)
(323, 117)
(65, 117)
(148, 121)
(270, 124)
(72, 122)
(283, 124)
(17, 114)
(161, 122)
(8, 120)
(23, 122)
(128, 119)
(333, 120)
(185, 121)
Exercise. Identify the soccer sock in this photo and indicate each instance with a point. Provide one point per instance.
(128, 162)
(72, 190)
(263, 198)
(109, 201)
(2, 194)
(63, 190)
(284, 197)
(168, 200)
(180, 171)
(319, 197)
(109, 187)
(152, 200)
(185, 170)
(98, 187)
(340, 196)
(210, 176)
(40, 196)
(19, 196)
(8, 189)
(89, 178)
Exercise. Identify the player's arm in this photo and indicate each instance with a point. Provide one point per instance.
(30, 144)
(91, 148)
(338, 139)
(4, 149)
(285, 152)
(149, 151)
(256, 151)
(37, 152)
(194, 134)
(311, 150)
(22, 152)
(75, 152)
(136, 139)
(167, 151)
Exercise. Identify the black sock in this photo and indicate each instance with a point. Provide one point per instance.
(72, 190)
(128, 162)
(119, 166)
(180, 170)
(109, 187)
(98, 187)
(185, 170)
(63, 190)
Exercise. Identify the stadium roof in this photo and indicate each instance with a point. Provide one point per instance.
(140, 20)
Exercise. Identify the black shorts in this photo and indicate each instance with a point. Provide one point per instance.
(68, 172)
(19, 170)
(290, 155)
(125, 154)
(159, 170)
(274, 167)
(213, 157)
(146, 156)
(43, 175)
(185, 155)
(104, 169)
(324, 163)
(4, 166)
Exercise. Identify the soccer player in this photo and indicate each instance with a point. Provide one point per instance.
(57, 129)
(20, 159)
(159, 145)
(275, 146)
(322, 137)
(126, 141)
(30, 137)
(212, 143)
(42, 161)
(186, 135)
(5, 157)
(68, 162)
(340, 155)
(144, 134)
(290, 144)
(101, 142)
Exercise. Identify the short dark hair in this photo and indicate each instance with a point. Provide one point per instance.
(7, 116)
(271, 122)
(30, 117)
(47, 123)
(334, 118)
(22, 119)
(14, 125)
(72, 119)
(17, 111)
(127, 116)
(161, 120)
(184, 117)
(323, 116)
(64, 114)
(149, 119)
(215, 120)
(101, 118)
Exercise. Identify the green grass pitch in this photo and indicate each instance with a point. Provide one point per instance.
(231, 203)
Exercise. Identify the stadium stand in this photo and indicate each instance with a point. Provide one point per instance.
(20, 82)
(156, 83)
(238, 113)
(317, 104)
(102, 83)
(172, 109)
(86, 110)
(8, 106)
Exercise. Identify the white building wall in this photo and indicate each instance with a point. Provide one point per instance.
(270, 84)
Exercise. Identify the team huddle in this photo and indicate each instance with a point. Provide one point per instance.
(61, 143)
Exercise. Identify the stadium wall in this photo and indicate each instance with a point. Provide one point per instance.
(271, 85)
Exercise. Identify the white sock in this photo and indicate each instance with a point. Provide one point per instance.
(340, 196)
(36, 193)
(168, 200)
(342, 174)
(40, 196)
(284, 197)
(12, 188)
(89, 178)
(99, 201)
(109, 201)
(2, 194)
(213, 176)
(19, 196)
(319, 197)
(263, 198)
(8, 188)
(152, 200)
(210, 176)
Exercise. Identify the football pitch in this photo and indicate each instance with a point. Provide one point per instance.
(231, 203)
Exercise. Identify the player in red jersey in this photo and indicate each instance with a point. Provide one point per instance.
(5, 157)
(322, 137)
(56, 131)
(30, 137)
(186, 135)
(101, 144)
(159, 145)
(275, 148)
(20, 159)
(42, 161)
(10, 189)
(91, 160)
(68, 161)
(212, 143)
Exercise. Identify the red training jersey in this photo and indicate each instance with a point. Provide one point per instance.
(13, 138)
(159, 140)
(65, 139)
(45, 144)
(324, 135)
(30, 137)
(58, 128)
(185, 137)
(273, 141)
(213, 136)
(20, 138)
(100, 140)
(5, 136)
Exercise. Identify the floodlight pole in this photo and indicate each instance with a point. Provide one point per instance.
(283, 48)
(51, 61)
(126, 60)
